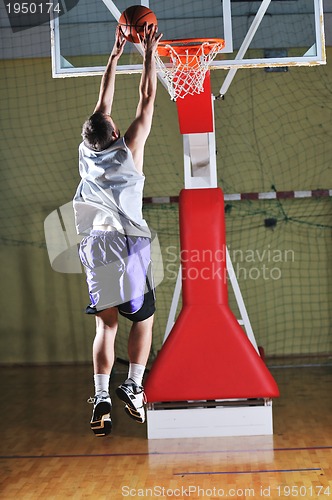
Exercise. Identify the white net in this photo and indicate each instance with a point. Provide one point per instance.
(188, 65)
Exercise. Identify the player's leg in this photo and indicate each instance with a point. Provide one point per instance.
(139, 309)
(103, 360)
(103, 344)
(139, 343)
(131, 391)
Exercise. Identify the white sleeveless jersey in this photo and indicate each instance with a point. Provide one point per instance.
(110, 192)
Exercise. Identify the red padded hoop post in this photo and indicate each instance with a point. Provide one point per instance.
(207, 355)
(195, 112)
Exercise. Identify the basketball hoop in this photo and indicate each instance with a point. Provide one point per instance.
(190, 59)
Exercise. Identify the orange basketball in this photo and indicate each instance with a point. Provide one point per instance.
(133, 19)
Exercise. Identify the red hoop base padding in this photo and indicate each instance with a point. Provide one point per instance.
(195, 112)
(207, 355)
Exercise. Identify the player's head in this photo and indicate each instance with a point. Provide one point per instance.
(99, 131)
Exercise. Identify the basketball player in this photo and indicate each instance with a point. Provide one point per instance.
(115, 250)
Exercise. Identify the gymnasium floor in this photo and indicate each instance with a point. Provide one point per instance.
(49, 452)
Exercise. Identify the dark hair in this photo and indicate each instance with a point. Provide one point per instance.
(97, 132)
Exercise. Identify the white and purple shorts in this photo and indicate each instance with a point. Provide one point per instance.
(118, 273)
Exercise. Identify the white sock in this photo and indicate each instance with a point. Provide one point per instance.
(136, 373)
(101, 382)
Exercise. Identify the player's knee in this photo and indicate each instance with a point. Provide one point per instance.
(108, 317)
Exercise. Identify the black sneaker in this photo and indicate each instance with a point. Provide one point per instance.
(101, 423)
(133, 395)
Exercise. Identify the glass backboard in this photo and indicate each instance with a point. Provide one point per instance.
(267, 33)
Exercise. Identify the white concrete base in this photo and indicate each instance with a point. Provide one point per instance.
(209, 421)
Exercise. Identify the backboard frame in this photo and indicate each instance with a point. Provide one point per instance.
(316, 55)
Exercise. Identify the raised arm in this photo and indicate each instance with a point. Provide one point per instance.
(106, 93)
(139, 130)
